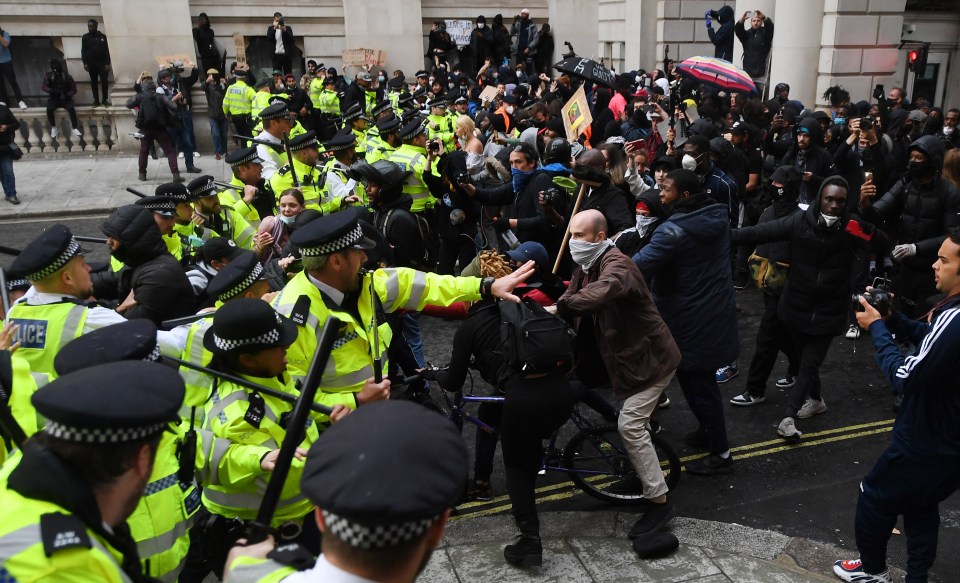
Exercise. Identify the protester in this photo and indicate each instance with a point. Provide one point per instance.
(7, 74)
(280, 37)
(9, 152)
(61, 88)
(96, 60)
(756, 42)
(155, 113)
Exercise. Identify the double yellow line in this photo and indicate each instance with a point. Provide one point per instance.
(568, 489)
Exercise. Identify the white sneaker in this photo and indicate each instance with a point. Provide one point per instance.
(76, 132)
(852, 571)
(853, 332)
(788, 430)
(23, 104)
(196, 154)
(54, 132)
(810, 408)
(180, 155)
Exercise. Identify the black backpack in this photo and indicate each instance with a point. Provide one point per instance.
(154, 114)
(534, 340)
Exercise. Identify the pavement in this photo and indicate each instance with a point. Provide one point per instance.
(89, 184)
(579, 545)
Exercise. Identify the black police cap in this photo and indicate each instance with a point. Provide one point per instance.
(343, 140)
(162, 205)
(329, 234)
(379, 481)
(381, 106)
(248, 325)
(177, 190)
(305, 140)
(421, 74)
(353, 112)
(275, 111)
(130, 340)
(395, 83)
(236, 277)
(219, 248)
(202, 186)
(412, 129)
(242, 156)
(117, 402)
(388, 125)
(49, 252)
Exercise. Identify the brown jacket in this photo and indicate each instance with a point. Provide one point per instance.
(636, 345)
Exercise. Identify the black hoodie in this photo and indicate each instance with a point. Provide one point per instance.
(815, 159)
(722, 38)
(159, 284)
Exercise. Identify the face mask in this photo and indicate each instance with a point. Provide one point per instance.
(480, 25)
(919, 169)
(891, 102)
(644, 222)
(948, 130)
(828, 220)
(585, 253)
(520, 178)
(510, 109)
(381, 78)
(689, 162)
(287, 220)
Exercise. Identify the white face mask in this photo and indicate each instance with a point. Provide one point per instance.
(689, 162)
(585, 253)
(948, 130)
(829, 220)
(510, 109)
(288, 220)
(644, 222)
(480, 25)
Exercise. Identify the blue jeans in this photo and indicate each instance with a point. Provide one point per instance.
(6, 175)
(183, 139)
(411, 335)
(219, 131)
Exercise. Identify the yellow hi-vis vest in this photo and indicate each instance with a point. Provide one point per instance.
(414, 160)
(44, 330)
(238, 99)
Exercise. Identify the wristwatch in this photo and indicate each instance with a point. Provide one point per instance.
(486, 287)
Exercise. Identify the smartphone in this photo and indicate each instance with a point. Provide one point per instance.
(637, 144)
(867, 176)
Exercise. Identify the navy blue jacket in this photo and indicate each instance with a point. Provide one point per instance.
(926, 426)
(687, 263)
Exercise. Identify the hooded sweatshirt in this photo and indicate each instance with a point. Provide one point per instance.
(814, 159)
(159, 284)
(722, 37)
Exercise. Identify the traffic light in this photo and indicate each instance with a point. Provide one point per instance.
(917, 59)
(912, 57)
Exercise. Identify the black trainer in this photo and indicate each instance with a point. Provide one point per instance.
(527, 551)
(697, 438)
(656, 517)
(711, 465)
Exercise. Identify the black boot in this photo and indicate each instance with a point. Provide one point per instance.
(527, 551)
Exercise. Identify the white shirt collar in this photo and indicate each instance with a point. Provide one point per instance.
(325, 571)
(334, 294)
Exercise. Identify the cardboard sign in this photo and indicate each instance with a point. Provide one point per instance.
(184, 61)
(663, 126)
(361, 57)
(459, 31)
(488, 93)
(576, 115)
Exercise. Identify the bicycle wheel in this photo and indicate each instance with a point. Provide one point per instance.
(597, 462)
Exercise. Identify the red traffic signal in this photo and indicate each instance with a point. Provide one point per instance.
(917, 59)
(912, 57)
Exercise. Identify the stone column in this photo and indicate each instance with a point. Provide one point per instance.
(138, 32)
(796, 47)
(769, 8)
(395, 27)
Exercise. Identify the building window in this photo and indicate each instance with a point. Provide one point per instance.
(31, 61)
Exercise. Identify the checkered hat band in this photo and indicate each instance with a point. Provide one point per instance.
(310, 144)
(376, 537)
(203, 190)
(72, 250)
(100, 435)
(154, 355)
(243, 285)
(160, 206)
(20, 282)
(248, 158)
(266, 338)
(327, 248)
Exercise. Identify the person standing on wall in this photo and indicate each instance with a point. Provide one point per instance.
(96, 61)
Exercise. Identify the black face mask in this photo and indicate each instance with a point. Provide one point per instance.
(891, 102)
(919, 169)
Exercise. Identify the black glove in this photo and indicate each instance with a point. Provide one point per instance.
(501, 225)
(429, 374)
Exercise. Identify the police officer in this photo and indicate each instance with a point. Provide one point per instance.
(388, 139)
(63, 508)
(396, 90)
(183, 222)
(54, 312)
(359, 124)
(161, 523)
(411, 480)
(327, 104)
(276, 125)
(337, 169)
(333, 249)
(221, 220)
(253, 199)
(312, 180)
(439, 125)
(238, 102)
(414, 158)
(249, 339)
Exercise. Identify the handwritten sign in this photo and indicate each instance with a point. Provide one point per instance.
(361, 57)
(183, 60)
(459, 31)
(594, 71)
(576, 115)
(488, 93)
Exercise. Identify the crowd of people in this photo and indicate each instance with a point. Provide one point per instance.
(380, 200)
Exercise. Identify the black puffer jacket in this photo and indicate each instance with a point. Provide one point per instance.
(160, 286)
(817, 296)
(922, 213)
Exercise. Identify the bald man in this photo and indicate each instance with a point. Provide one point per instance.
(608, 292)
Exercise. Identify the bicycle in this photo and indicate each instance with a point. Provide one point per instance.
(594, 458)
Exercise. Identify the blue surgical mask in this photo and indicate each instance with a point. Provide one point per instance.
(520, 178)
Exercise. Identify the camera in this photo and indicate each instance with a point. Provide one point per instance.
(714, 15)
(280, 22)
(878, 297)
(464, 178)
(434, 145)
(551, 197)
(866, 122)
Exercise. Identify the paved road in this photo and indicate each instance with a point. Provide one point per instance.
(808, 490)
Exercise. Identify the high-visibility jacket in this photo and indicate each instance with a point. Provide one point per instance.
(336, 173)
(78, 555)
(238, 99)
(351, 363)
(25, 384)
(161, 522)
(328, 102)
(235, 481)
(313, 185)
(380, 151)
(261, 101)
(232, 226)
(444, 132)
(369, 102)
(234, 199)
(413, 159)
(394, 98)
(361, 138)
(314, 91)
(45, 329)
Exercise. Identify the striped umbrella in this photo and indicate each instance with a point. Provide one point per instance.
(717, 72)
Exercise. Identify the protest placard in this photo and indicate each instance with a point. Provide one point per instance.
(488, 93)
(459, 31)
(179, 61)
(361, 57)
(576, 115)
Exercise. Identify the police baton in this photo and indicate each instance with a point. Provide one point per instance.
(317, 407)
(293, 171)
(9, 250)
(83, 239)
(4, 293)
(256, 141)
(171, 324)
(8, 424)
(136, 192)
(259, 529)
(227, 185)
